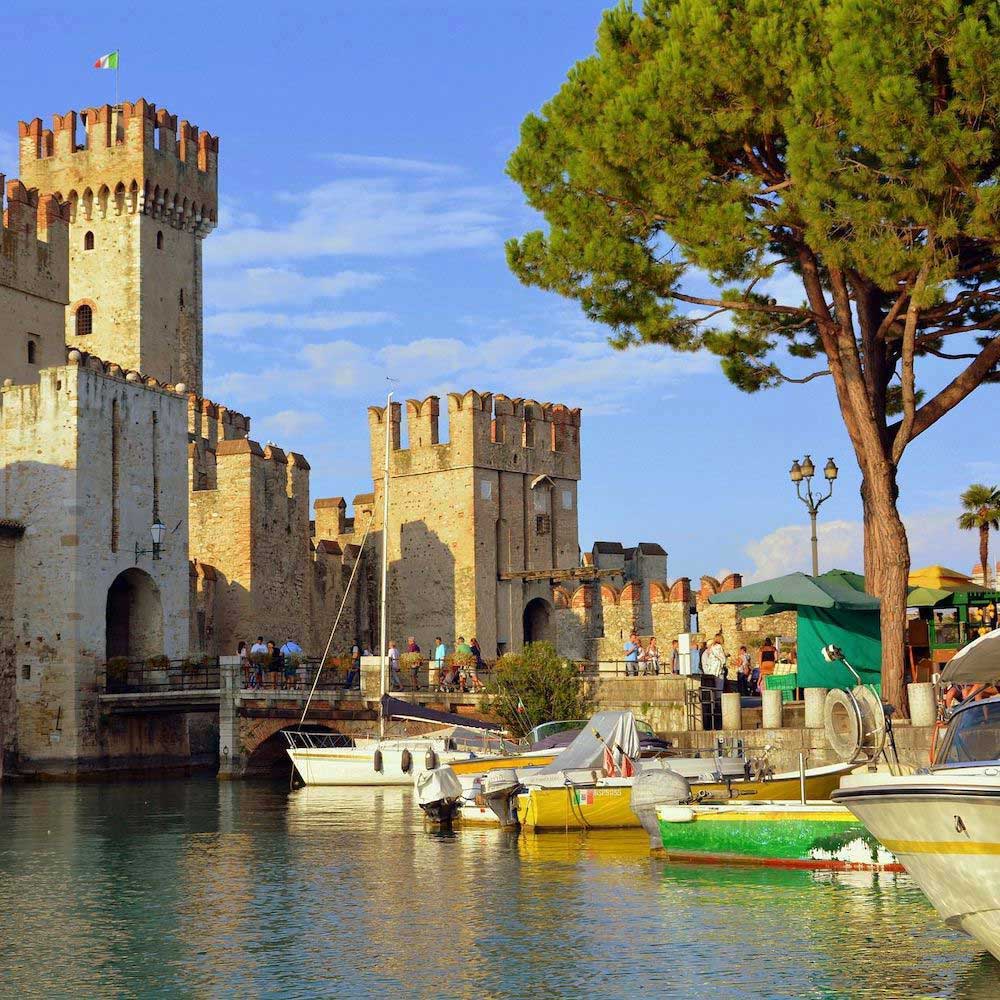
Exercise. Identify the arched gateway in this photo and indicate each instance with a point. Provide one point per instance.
(538, 621)
(134, 617)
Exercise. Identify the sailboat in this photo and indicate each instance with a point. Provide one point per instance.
(320, 758)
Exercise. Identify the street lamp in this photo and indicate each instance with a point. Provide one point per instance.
(805, 471)
(156, 532)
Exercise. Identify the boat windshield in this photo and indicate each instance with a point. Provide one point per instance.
(973, 735)
(547, 729)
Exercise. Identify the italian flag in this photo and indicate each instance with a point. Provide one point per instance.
(110, 61)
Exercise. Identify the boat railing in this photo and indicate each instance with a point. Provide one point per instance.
(304, 740)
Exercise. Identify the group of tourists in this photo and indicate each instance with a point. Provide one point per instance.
(266, 664)
(710, 659)
(460, 673)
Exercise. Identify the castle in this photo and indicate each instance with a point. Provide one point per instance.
(105, 437)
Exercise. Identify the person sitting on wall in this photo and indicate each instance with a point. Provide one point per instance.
(632, 649)
(291, 652)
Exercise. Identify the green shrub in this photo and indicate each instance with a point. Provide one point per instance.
(534, 686)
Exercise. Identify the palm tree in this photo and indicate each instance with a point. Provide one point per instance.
(982, 512)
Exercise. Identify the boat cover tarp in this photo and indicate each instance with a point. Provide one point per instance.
(437, 786)
(855, 632)
(615, 730)
(977, 663)
(396, 708)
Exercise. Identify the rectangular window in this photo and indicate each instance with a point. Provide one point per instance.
(542, 524)
(485, 489)
(567, 498)
(26, 671)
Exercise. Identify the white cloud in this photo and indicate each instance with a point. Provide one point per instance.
(392, 164)
(271, 286)
(371, 216)
(231, 324)
(933, 537)
(288, 423)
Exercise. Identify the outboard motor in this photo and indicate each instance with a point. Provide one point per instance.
(438, 794)
(499, 791)
(654, 787)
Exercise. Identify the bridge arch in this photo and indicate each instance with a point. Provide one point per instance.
(264, 745)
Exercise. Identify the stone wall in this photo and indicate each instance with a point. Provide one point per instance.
(88, 461)
(34, 283)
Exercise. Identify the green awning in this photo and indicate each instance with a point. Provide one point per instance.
(835, 589)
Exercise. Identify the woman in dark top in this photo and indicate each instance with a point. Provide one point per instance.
(768, 657)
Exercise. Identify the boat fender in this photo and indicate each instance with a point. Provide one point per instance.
(378, 761)
(406, 761)
(676, 814)
(430, 760)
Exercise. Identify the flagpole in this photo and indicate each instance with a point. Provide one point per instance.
(118, 59)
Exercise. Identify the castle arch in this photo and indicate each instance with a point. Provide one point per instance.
(133, 616)
(538, 621)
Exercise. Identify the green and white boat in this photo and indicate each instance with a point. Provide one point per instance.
(811, 835)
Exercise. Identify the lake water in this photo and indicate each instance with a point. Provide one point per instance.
(191, 888)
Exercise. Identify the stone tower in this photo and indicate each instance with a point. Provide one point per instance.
(143, 193)
(481, 524)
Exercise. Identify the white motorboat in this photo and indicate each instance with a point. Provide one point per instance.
(943, 824)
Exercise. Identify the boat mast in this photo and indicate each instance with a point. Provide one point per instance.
(385, 567)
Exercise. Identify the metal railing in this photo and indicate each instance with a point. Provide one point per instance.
(425, 679)
(156, 676)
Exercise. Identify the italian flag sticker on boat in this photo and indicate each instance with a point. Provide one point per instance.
(584, 796)
(110, 61)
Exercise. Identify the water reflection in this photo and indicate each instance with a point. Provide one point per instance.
(249, 889)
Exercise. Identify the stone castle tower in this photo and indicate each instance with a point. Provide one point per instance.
(142, 192)
(480, 524)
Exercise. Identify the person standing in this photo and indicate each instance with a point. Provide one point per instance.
(768, 658)
(653, 657)
(412, 647)
(244, 655)
(440, 652)
(291, 654)
(354, 674)
(632, 656)
(477, 665)
(696, 650)
(258, 657)
(394, 678)
(675, 657)
(275, 662)
(743, 671)
(716, 662)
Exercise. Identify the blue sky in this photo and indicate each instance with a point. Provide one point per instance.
(364, 207)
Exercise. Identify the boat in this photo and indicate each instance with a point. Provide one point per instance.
(581, 792)
(943, 823)
(819, 836)
(438, 794)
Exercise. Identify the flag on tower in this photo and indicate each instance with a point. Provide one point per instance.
(110, 61)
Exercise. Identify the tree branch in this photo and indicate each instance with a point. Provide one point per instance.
(738, 304)
(907, 377)
(956, 390)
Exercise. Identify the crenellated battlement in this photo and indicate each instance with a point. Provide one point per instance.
(484, 430)
(128, 158)
(34, 239)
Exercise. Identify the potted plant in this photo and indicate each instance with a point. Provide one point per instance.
(412, 662)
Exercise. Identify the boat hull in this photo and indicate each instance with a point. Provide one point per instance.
(946, 833)
(355, 766)
(814, 836)
(608, 806)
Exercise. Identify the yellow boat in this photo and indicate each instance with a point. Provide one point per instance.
(606, 804)
(481, 765)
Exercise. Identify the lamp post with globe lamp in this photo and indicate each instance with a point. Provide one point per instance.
(804, 473)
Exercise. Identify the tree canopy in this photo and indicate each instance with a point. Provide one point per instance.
(850, 146)
(536, 685)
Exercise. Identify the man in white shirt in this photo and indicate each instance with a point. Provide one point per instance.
(714, 662)
(258, 655)
(394, 679)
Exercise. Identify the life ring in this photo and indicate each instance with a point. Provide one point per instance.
(406, 761)
(378, 761)
(430, 760)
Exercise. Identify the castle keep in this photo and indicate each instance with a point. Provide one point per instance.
(106, 441)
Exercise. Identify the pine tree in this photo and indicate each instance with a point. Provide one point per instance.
(850, 143)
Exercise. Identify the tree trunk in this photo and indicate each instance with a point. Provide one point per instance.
(887, 569)
(984, 552)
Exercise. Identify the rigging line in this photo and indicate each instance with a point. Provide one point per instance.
(343, 603)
